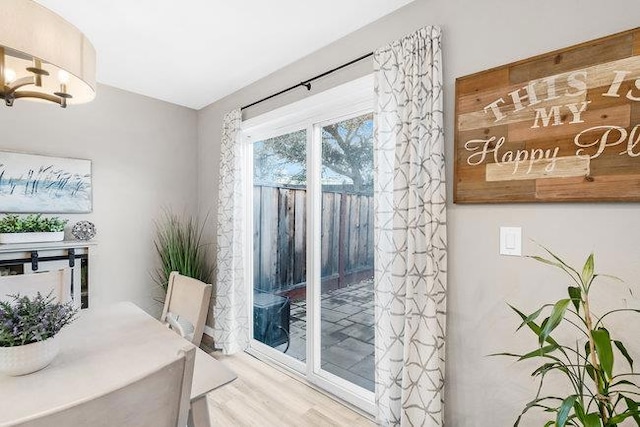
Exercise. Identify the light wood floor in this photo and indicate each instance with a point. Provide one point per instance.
(264, 396)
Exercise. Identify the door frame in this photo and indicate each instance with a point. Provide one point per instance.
(340, 103)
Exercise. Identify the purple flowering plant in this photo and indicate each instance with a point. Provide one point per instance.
(27, 320)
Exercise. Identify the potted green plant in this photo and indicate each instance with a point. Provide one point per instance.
(31, 229)
(179, 245)
(602, 395)
(28, 330)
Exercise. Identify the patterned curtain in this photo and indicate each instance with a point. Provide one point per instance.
(410, 231)
(230, 317)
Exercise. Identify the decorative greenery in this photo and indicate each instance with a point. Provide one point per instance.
(347, 150)
(179, 244)
(30, 224)
(30, 320)
(601, 396)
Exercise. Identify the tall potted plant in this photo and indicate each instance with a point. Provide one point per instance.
(603, 394)
(179, 245)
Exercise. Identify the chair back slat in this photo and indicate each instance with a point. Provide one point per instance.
(188, 299)
(160, 399)
(57, 281)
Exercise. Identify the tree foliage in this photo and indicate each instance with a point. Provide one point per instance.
(347, 150)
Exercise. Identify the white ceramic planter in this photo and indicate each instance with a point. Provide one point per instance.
(25, 359)
(54, 236)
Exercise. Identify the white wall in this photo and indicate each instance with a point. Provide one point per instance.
(478, 35)
(144, 156)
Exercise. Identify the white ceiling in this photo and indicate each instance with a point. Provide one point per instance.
(194, 52)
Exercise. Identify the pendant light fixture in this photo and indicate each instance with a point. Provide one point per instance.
(43, 57)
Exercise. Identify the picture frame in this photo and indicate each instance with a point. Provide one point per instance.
(563, 126)
(33, 183)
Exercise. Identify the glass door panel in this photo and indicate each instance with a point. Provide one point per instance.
(280, 243)
(346, 264)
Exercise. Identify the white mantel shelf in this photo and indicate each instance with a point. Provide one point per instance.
(65, 244)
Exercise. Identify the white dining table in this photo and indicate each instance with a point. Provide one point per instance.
(103, 350)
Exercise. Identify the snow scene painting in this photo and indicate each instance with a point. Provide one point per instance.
(31, 183)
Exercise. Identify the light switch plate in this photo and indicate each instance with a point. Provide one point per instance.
(511, 241)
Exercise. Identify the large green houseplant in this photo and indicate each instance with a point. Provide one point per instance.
(179, 245)
(602, 395)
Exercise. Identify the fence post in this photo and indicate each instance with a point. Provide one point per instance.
(341, 240)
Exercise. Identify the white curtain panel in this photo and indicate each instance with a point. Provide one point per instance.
(230, 312)
(410, 231)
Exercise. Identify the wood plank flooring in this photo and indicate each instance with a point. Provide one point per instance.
(264, 396)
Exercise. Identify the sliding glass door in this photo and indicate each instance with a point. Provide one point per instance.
(280, 244)
(311, 233)
(346, 253)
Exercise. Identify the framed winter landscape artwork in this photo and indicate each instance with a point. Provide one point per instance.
(33, 183)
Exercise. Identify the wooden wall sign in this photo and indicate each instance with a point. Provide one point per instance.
(563, 126)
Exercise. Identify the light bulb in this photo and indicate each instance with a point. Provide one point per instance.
(9, 75)
(63, 76)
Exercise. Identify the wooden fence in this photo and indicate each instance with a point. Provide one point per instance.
(280, 238)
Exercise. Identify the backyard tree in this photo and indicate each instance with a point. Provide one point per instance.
(347, 150)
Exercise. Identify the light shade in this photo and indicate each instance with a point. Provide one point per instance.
(32, 34)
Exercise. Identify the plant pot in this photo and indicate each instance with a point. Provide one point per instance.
(25, 359)
(54, 236)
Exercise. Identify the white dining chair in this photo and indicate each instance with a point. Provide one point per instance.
(158, 399)
(186, 305)
(57, 282)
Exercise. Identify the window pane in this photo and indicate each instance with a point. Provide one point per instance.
(347, 333)
(279, 251)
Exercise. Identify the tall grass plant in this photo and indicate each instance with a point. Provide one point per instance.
(179, 245)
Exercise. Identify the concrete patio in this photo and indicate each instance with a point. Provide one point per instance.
(347, 339)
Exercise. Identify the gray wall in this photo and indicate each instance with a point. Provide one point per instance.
(143, 154)
(481, 391)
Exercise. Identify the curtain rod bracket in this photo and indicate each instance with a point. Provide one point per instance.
(307, 85)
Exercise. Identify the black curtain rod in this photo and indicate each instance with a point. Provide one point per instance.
(307, 83)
